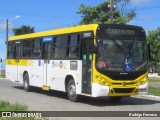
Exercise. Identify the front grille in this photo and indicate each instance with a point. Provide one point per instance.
(133, 83)
(130, 83)
(116, 83)
(123, 90)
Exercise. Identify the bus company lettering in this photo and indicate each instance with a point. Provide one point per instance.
(55, 64)
(60, 64)
(63, 65)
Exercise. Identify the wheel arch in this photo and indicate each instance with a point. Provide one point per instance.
(25, 72)
(67, 78)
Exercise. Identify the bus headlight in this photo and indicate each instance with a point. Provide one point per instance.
(102, 81)
(144, 80)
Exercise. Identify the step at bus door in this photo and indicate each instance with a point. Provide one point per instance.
(46, 58)
(86, 66)
(17, 57)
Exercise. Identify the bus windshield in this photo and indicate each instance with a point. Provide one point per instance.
(127, 55)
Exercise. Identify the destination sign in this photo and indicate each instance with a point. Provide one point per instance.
(120, 31)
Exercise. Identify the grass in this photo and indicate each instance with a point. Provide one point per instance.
(154, 91)
(2, 76)
(6, 106)
(154, 86)
(154, 82)
(154, 79)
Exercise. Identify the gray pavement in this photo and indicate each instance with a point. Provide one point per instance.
(39, 100)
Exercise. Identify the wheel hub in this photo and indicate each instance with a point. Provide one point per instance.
(72, 90)
(25, 84)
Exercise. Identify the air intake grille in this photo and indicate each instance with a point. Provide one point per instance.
(124, 90)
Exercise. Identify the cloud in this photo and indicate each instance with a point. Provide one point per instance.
(148, 18)
(139, 2)
(131, 22)
(2, 26)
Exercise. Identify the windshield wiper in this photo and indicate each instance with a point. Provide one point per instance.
(117, 45)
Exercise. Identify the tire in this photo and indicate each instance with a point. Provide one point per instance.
(26, 85)
(71, 91)
(115, 99)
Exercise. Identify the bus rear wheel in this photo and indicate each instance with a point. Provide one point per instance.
(71, 91)
(115, 99)
(26, 85)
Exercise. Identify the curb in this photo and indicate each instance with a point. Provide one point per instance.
(151, 96)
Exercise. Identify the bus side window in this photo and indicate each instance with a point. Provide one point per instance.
(36, 48)
(68, 45)
(26, 48)
(73, 46)
(59, 46)
(14, 52)
(10, 51)
(54, 45)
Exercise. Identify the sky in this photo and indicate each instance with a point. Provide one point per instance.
(53, 14)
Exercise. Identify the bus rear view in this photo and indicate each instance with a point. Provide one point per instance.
(121, 61)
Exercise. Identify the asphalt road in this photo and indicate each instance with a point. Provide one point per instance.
(39, 100)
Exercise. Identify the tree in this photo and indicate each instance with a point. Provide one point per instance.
(126, 15)
(153, 39)
(23, 30)
(101, 13)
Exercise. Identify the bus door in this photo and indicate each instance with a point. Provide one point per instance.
(46, 58)
(17, 56)
(86, 65)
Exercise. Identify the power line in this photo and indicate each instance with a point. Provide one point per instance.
(60, 26)
(147, 8)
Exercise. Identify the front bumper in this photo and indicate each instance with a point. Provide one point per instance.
(100, 91)
(143, 89)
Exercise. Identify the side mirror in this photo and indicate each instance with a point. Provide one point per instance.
(94, 49)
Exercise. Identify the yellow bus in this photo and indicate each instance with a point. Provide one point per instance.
(94, 60)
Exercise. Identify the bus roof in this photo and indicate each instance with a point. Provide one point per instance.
(90, 27)
(75, 29)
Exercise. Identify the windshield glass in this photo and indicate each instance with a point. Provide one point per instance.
(121, 55)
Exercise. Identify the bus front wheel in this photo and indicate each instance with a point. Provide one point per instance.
(26, 85)
(71, 91)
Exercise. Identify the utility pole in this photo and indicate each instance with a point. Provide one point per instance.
(7, 33)
(111, 11)
(7, 28)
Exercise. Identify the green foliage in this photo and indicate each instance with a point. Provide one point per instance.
(153, 39)
(154, 91)
(101, 14)
(154, 86)
(6, 106)
(23, 30)
(2, 76)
